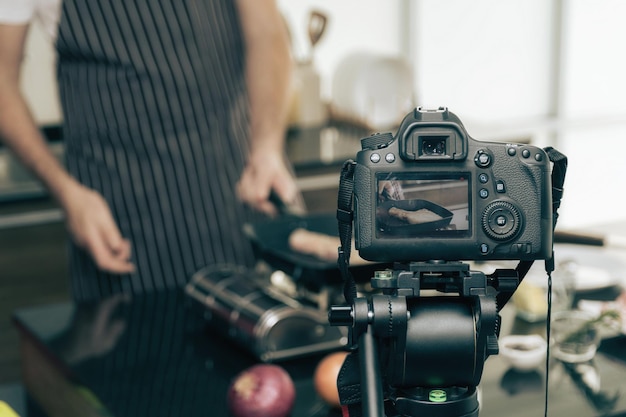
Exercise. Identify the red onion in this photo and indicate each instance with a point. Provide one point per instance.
(263, 390)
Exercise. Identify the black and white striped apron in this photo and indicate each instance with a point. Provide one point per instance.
(155, 107)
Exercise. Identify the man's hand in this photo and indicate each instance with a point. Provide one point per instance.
(88, 216)
(93, 228)
(268, 80)
(266, 171)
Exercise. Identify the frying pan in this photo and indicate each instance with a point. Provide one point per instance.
(270, 240)
(396, 226)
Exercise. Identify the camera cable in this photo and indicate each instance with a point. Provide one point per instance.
(559, 170)
(548, 320)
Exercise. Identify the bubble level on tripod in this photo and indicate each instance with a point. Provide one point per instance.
(386, 274)
(437, 396)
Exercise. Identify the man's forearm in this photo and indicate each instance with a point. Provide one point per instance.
(20, 133)
(269, 82)
(18, 129)
(268, 72)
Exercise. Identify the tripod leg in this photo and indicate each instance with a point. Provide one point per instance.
(371, 388)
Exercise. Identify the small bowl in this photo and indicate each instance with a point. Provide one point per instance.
(523, 352)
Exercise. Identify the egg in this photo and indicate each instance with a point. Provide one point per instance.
(325, 377)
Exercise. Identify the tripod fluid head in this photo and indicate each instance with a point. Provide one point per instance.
(424, 351)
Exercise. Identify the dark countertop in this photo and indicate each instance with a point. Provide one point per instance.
(156, 356)
(165, 362)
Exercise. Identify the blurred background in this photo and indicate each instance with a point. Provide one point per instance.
(550, 72)
(547, 72)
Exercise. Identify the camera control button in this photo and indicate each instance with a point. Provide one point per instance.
(483, 193)
(483, 158)
(538, 157)
(521, 248)
(484, 248)
(511, 151)
(483, 178)
(500, 188)
(390, 157)
(526, 153)
(375, 158)
(501, 220)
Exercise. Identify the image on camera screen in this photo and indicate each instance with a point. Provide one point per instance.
(423, 205)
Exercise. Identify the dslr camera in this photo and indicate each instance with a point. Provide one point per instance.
(425, 200)
(434, 193)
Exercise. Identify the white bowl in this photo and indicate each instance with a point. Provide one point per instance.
(523, 352)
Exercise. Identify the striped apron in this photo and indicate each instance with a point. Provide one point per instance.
(156, 119)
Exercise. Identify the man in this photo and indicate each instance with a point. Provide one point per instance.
(174, 113)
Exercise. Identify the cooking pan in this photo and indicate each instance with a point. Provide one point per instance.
(270, 239)
(395, 226)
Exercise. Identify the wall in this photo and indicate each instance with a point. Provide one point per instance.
(593, 111)
(486, 59)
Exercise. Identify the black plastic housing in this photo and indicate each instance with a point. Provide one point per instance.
(485, 200)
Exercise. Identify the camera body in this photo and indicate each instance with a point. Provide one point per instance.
(434, 193)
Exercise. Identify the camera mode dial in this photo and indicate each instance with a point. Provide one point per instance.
(501, 220)
(376, 141)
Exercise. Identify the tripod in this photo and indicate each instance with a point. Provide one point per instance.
(422, 354)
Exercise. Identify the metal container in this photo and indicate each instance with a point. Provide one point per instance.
(259, 318)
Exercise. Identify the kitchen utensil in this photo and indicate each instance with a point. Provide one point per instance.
(307, 108)
(316, 28)
(284, 209)
(589, 239)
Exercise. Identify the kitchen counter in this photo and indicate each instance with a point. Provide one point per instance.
(330, 145)
(155, 355)
(16, 183)
(317, 154)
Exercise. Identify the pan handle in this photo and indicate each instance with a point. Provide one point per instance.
(285, 209)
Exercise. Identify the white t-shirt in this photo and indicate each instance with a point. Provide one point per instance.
(47, 12)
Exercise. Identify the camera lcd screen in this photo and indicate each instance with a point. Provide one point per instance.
(423, 205)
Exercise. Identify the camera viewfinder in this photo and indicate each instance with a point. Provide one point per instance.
(433, 145)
